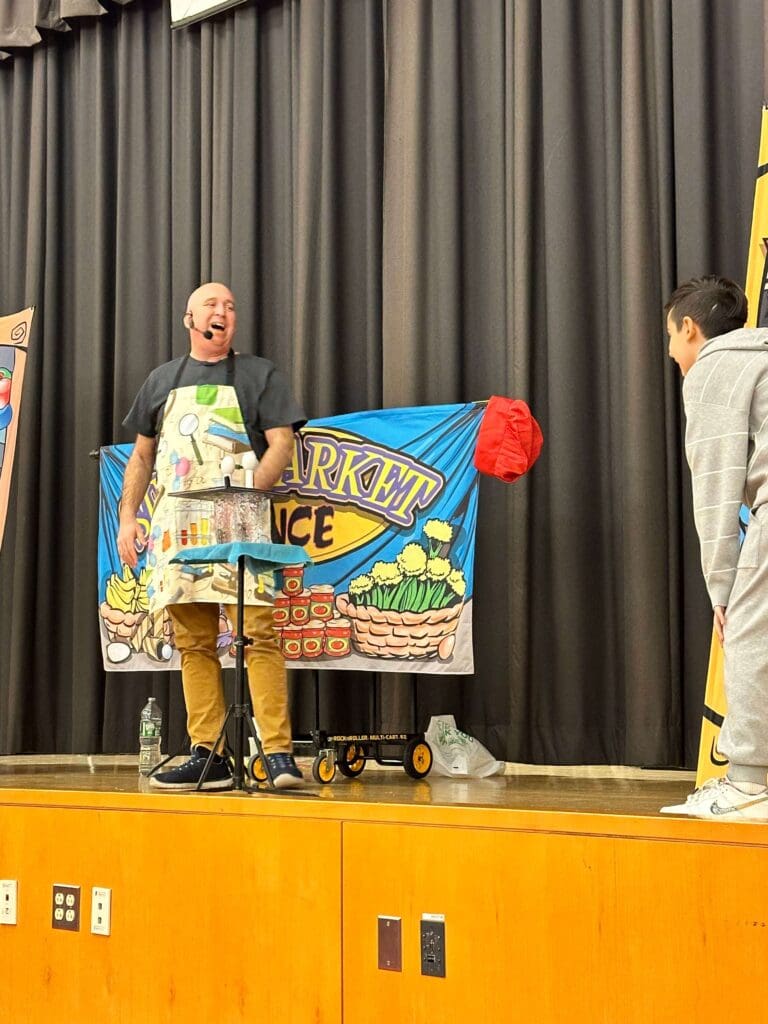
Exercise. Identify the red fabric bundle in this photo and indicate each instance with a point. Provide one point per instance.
(509, 441)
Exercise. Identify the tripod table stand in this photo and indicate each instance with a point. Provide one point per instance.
(258, 556)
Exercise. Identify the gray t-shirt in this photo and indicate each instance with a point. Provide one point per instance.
(262, 391)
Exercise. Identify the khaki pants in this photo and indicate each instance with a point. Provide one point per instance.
(196, 627)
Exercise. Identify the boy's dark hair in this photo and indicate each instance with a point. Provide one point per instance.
(716, 304)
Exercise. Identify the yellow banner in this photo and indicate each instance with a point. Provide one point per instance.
(711, 763)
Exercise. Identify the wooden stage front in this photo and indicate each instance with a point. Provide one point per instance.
(566, 896)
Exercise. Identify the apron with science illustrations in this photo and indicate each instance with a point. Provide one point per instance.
(200, 425)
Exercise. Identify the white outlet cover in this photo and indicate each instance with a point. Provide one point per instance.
(101, 910)
(8, 900)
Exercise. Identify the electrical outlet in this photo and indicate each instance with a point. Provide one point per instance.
(8, 900)
(101, 910)
(390, 945)
(433, 945)
(66, 907)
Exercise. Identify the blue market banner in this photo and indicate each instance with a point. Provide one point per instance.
(385, 502)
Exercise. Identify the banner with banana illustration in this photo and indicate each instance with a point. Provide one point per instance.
(385, 502)
(711, 763)
(14, 341)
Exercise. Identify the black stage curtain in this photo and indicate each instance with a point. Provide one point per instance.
(21, 20)
(415, 201)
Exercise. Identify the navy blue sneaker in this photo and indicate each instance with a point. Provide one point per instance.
(285, 771)
(187, 775)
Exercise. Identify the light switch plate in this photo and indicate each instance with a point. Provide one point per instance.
(101, 910)
(9, 892)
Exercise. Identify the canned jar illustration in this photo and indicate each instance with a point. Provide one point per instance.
(321, 602)
(281, 610)
(300, 608)
(293, 579)
(338, 634)
(312, 638)
(292, 642)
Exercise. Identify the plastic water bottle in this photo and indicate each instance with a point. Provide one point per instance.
(150, 728)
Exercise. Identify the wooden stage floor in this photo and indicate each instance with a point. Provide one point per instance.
(581, 789)
(566, 896)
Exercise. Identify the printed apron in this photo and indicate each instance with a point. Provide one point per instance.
(200, 425)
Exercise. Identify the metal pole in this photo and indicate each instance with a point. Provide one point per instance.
(239, 739)
(316, 675)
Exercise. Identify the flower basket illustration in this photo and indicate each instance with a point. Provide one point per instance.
(391, 634)
(408, 608)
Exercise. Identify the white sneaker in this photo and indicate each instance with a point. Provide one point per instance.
(721, 800)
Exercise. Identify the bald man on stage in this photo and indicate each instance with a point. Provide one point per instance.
(187, 414)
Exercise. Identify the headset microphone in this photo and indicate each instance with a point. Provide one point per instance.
(206, 334)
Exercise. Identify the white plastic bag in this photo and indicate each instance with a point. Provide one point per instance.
(456, 754)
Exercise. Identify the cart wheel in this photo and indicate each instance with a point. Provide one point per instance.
(256, 769)
(351, 760)
(324, 768)
(417, 758)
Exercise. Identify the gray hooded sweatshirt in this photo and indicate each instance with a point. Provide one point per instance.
(726, 441)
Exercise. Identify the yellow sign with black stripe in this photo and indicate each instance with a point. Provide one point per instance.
(711, 763)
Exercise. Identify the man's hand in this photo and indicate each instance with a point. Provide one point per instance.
(138, 473)
(719, 623)
(128, 536)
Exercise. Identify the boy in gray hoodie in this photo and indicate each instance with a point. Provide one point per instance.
(725, 393)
